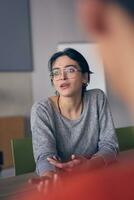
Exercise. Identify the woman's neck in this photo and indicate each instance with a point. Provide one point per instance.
(70, 107)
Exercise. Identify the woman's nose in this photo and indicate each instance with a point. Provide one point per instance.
(63, 75)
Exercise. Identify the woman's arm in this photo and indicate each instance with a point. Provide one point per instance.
(43, 138)
(108, 143)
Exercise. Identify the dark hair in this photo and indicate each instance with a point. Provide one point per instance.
(127, 5)
(74, 55)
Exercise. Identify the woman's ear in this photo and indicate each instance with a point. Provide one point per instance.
(86, 78)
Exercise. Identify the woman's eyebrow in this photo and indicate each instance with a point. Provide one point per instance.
(55, 68)
(71, 65)
(65, 66)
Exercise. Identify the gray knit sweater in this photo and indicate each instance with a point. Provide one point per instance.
(92, 134)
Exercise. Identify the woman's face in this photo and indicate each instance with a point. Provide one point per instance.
(67, 76)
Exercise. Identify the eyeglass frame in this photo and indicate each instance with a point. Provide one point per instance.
(64, 69)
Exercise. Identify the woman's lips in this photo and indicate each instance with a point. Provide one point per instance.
(64, 85)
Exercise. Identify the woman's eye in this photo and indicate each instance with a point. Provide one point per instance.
(71, 70)
(55, 73)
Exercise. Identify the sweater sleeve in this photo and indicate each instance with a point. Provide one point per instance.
(108, 143)
(43, 138)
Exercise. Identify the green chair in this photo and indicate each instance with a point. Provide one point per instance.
(22, 153)
(125, 137)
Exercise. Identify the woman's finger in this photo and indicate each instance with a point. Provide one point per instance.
(52, 161)
(56, 158)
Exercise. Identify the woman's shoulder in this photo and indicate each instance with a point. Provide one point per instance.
(40, 103)
(95, 93)
(96, 97)
(45, 104)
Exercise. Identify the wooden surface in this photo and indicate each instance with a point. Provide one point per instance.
(10, 127)
(15, 187)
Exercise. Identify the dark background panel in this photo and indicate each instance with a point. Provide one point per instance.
(15, 36)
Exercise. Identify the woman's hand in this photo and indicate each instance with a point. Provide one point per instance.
(70, 165)
(79, 163)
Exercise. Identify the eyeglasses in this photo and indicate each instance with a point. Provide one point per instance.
(69, 71)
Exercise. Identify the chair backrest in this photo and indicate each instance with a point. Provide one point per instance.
(22, 153)
(125, 137)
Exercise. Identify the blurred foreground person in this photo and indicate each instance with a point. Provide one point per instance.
(113, 183)
(110, 23)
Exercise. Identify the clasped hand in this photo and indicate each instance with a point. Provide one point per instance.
(69, 165)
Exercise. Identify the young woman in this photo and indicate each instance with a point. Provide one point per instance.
(75, 126)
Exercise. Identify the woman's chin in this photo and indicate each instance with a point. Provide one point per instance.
(66, 93)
